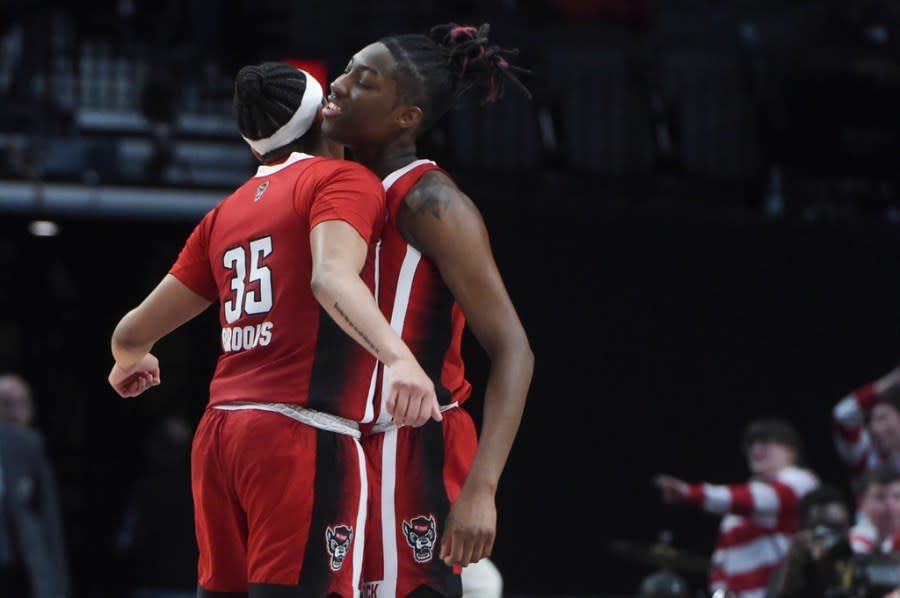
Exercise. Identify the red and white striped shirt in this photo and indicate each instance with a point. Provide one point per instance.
(890, 544)
(852, 439)
(760, 519)
(864, 536)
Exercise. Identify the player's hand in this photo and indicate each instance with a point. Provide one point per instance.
(136, 379)
(411, 397)
(673, 489)
(470, 528)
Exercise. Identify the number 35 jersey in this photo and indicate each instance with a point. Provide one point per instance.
(252, 254)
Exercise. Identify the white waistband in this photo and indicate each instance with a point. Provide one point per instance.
(310, 417)
(387, 426)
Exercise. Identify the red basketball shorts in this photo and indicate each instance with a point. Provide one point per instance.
(277, 502)
(415, 474)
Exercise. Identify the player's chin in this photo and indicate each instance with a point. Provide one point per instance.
(332, 129)
(342, 131)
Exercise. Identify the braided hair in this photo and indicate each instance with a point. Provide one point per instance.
(434, 71)
(266, 96)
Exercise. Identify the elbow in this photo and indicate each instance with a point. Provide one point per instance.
(124, 335)
(322, 284)
(523, 347)
(317, 285)
(527, 356)
(127, 334)
(518, 350)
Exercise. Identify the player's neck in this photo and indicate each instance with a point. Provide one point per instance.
(384, 161)
(316, 144)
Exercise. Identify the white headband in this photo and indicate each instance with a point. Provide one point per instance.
(298, 125)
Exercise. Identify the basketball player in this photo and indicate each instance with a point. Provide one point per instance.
(279, 477)
(433, 509)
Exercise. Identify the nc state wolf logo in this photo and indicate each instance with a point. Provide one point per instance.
(421, 534)
(337, 540)
(260, 190)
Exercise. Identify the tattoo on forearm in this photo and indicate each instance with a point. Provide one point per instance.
(356, 328)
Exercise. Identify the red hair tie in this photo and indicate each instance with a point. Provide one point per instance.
(458, 32)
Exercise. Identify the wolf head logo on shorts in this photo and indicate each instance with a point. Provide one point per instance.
(421, 534)
(337, 541)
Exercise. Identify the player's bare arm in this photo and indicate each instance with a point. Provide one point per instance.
(167, 307)
(446, 226)
(339, 254)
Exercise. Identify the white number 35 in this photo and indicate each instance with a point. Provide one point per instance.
(249, 303)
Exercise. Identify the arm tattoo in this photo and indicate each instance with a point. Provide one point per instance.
(433, 199)
(356, 328)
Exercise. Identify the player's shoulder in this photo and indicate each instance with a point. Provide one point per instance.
(436, 179)
(433, 183)
(436, 193)
(329, 167)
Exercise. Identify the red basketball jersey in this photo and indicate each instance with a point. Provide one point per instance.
(415, 299)
(252, 253)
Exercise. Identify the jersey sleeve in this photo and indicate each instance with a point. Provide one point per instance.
(353, 194)
(192, 267)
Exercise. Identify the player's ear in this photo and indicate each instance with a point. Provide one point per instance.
(410, 117)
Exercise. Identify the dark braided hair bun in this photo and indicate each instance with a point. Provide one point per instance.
(266, 96)
(249, 84)
(475, 62)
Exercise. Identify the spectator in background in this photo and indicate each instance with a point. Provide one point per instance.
(892, 498)
(33, 562)
(156, 543)
(867, 425)
(874, 522)
(16, 404)
(820, 553)
(760, 516)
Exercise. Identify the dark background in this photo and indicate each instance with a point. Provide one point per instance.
(671, 291)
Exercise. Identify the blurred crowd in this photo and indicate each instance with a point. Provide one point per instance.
(793, 96)
(155, 550)
(784, 533)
